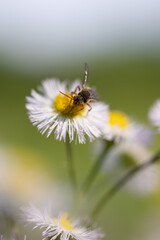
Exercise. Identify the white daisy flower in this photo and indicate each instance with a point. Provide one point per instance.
(53, 109)
(120, 126)
(154, 114)
(61, 226)
(144, 182)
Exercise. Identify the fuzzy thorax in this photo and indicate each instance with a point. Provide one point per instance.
(66, 107)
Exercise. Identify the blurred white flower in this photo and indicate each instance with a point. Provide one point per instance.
(129, 154)
(154, 114)
(121, 127)
(139, 133)
(12, 237)
(23, 176)
(61, 226)
(118, 126)
(54, 110)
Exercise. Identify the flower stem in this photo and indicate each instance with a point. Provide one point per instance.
(95, 169)
(70, 163)
(120, 183)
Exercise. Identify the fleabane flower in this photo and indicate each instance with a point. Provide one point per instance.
(61, 226)
(154, 114)
(129, 154)
(53, 109)
(120, 126)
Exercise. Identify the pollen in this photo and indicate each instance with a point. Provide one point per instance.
(64, 222)
(65, 106)
(118, 119)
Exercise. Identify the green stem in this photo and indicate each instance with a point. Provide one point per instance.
(95, 169)
(70, 163)
(120, 183)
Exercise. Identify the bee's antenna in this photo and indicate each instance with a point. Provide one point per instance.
(85, 75)
(66, 95)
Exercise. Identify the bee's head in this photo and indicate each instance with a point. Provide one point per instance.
(78, 98)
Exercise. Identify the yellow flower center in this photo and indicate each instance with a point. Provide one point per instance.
(65, 222)
(119, 119)
(66, 107)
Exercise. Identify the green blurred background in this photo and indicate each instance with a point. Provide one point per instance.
(120, 42)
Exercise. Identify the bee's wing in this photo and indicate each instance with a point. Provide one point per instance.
(93, 94)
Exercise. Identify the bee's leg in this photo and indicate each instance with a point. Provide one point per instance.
(91, 101)
(66, 95)
(73, 94)
(77, 88)
(82, 107)
(90, 108)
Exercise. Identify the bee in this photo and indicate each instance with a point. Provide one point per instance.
(86, 95)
